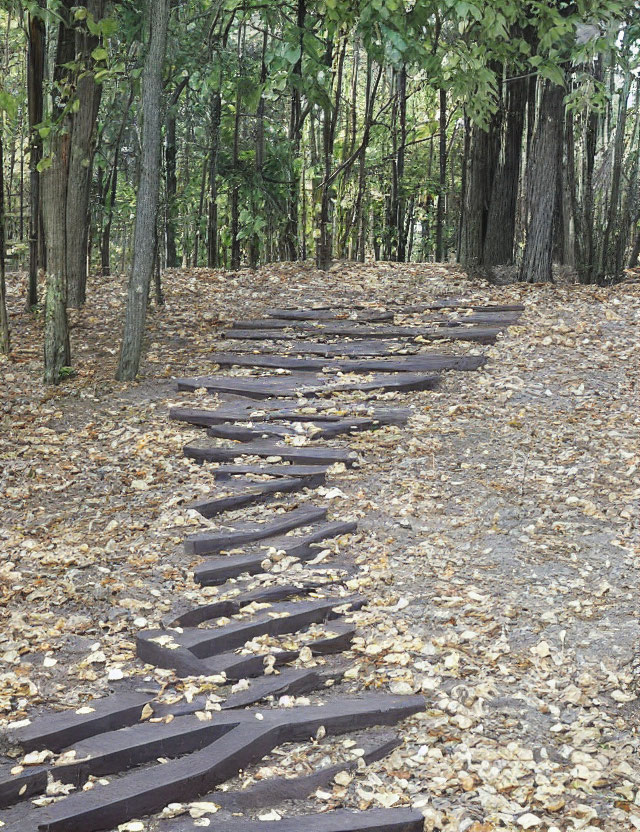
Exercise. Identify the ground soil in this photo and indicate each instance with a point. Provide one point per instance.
(498, 538)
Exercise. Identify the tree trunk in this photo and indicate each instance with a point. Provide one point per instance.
(587, 266)
(501, 219)
(543, 172)
(5, 338)
(476, 199)
(171, 181)
(81, 161)
(324, 248)
(611, 263)
(295, 134)
(35, 79)
(57, 350)
(235, 188)
(215, 109)
(442, 179)
(147, 201)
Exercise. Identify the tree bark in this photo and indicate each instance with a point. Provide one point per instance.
(57, 350)
(5, 336)
(147, 202)
(543, 171)
(171, 181)
(35, 79)
(501, 219)
(442, 179)
(215, 109)
(81, 161)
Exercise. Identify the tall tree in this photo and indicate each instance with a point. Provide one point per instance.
(57, 348)
(148, 192)
(542, 174)
(5, 338)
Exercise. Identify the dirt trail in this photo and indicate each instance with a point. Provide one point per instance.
(499, 538)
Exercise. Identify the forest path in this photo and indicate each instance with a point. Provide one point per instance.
(495, 546)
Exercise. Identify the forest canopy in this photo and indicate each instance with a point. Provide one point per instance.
(233, 133)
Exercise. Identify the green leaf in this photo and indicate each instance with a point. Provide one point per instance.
(100, 54)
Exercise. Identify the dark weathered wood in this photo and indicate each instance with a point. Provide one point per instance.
(318, 430)
(249, 493)
(210, 542)
(17, 787)
(403, 364)
(340, 820)
(142, 792)
(55, 731)
(334, 349)
(227, 607)
(304, 547)
(289, 453)
(479, 334)
(435, 304)
(328, 314)
(277, 789)
(287, 411)
(345, 326)
(245, 666)
(266, 387)
(288, 682)
(224, 472)
(206, 642)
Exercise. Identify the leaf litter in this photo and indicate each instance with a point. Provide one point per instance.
(498, 541)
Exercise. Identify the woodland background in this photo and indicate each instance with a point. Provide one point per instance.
(217, 133)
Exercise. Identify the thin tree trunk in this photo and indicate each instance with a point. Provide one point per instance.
(235, 188)
(57, 350)
(442, 179)
(610, 264)
(147, 202)
(198, 228)
(296, 123)
(324, 248)
(587, 266)
(215, 109)
(543, 171)
(81, 161)
(5, 336)
(35, 79)
(171, 181)
(254, 242)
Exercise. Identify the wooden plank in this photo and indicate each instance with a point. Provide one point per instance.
(15, 787)
(304, 547)
(289, 453)
(223, 472)
(266, 387)
(376, 744)
(249, 493)
(339, 820)
(331, 314)
(334, 349)
(318, 430)
(287, 411)
(57, 730)
(142, 792)
(244, 666)
(345, 326)
(153, 645)
(210, 542)
(478, 334)
(435, 304)
(402, 364)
